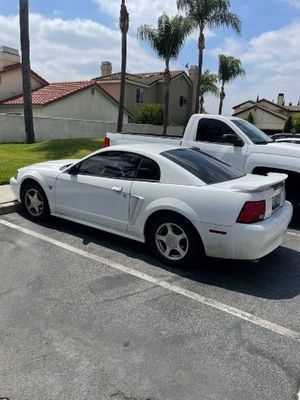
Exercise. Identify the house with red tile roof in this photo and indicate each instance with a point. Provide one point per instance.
(142, 88)
(11, 74)
(268, 116)
(96, 99)
(78, 100)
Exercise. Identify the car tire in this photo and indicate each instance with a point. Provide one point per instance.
(34, 201)
(175, 241)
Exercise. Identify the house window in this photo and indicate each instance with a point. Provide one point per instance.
(140, 95)
(182, 101)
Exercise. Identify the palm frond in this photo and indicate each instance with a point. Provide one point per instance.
(209, 83)
(168, 37)
(229, 68)
(210, 13)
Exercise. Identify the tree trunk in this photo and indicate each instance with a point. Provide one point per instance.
(201, 104)
(201, 47)
(26, 73)
(222, 97)
(124, 25)
(167, 80)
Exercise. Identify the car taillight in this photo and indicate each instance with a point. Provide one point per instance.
(253, 211)
(106, 142)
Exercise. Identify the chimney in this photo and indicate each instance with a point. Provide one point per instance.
(280, 100)
(8, 56)
(193, 75)
(106, 68)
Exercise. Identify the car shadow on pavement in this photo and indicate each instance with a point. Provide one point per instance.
(275, 277)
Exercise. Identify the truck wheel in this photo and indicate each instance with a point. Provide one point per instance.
(175, 241)
(34, 201)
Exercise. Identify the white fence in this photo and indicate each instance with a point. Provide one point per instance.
(12, 128)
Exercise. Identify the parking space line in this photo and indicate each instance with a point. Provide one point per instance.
(293, 234)
(163, 284)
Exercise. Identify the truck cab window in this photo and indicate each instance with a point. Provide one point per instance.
(211, 130)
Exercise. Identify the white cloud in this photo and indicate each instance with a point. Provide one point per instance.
(144, 12)
(294, 3)
(272, 65)
(140, 12)
(73, 49)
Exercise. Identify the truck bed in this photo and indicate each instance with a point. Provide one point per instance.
(127, 138)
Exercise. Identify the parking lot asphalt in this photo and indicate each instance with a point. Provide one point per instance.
(88, 315)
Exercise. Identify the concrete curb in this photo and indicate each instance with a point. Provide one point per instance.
(10, 207)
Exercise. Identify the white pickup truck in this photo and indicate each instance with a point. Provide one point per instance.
(234, 141)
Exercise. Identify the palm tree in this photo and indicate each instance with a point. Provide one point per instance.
(208, 85)
(229, 69)
(167, 39)
(208, 14)
(26, 73)
(124, 25)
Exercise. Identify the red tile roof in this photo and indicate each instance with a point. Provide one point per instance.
(51, 92)
(57, 91)
(18, 65)
(146, 78)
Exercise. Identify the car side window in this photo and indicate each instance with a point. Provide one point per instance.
(148, 170)
(211, 130)
(111, 164)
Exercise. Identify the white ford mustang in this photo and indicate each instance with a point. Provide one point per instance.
(183, 202)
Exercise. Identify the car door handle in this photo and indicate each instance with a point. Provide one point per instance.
(117, 189)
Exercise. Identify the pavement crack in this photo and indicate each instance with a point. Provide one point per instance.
(119, 395)
(127, 295)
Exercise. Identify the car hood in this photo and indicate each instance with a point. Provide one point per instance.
(53, 165)
(279, 148)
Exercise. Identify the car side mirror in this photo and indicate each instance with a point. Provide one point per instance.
(232, 139)
(73, 170)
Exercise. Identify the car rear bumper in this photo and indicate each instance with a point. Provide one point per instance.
(247, 241)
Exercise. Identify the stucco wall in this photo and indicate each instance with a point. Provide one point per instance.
(149, 97)
(155, 94)
(12, 128)
(113, 88)
(264, 120)
(11, 83)
(179, 87)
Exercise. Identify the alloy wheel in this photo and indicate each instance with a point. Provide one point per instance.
(34, 202)
(171, 241)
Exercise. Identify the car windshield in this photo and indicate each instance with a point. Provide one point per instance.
(254, 134)
(203, 166)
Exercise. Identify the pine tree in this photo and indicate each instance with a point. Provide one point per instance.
(288, 125)
(251, 118)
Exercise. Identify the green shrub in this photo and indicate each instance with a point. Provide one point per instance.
(151, 114)
(296, 123)
(288, 125)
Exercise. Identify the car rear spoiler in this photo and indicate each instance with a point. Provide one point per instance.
(273, 181)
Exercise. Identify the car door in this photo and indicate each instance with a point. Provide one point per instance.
(214, 137)
(97, 190)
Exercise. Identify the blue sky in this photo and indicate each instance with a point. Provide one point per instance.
(70, 38)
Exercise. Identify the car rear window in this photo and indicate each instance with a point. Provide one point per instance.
(207, 168)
